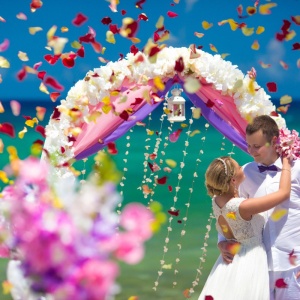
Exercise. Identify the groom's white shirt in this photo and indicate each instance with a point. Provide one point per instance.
(281, 234)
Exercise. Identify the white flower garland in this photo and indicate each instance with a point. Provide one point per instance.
(224, 76)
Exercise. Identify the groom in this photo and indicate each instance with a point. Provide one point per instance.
(281, 234)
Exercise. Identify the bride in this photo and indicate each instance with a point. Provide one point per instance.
(238, 219)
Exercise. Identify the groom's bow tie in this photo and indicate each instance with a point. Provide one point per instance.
(267, 168)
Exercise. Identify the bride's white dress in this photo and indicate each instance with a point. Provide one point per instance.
(246, 278)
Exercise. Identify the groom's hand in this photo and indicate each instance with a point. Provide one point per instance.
(228, 249)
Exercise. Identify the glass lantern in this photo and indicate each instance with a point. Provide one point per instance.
(176, 106)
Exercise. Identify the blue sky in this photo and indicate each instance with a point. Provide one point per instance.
(191, 14)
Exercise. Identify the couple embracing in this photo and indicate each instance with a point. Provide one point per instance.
(257, 210)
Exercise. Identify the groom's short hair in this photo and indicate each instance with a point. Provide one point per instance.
(265, 123)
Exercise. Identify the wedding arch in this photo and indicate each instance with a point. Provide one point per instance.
(112, 99)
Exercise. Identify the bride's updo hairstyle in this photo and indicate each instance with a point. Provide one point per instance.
(218, 176)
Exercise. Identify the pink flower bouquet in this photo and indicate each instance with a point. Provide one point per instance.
(68, 237)
(288, 143)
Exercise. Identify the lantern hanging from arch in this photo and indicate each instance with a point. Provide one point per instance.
(176, 106)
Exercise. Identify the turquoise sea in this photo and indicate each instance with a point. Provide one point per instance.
(182, 253)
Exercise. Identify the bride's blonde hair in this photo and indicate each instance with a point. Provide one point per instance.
(218, 175)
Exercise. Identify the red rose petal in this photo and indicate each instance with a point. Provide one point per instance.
(138, 4)
(272, 87)
(40, 129)
(68, 62)
(112, 148)
(134, 49)
(296, 46)
(21, 75)
(161, 180)
(8, 129)
(79, 19)
(179, 65)
(41, 75)
(171, 14)
(174, 213)
(54, 83)
(106, 20)
(280, 283)
(54, 96)
(80, 51)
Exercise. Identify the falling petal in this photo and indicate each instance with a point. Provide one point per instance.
(6, 287)
(22, 133)
(264, 66)
(296, 46)
(161, 180)
(4, 63)
(231, 215)
(4, 45)
(34, 30)
(247, 31)
(158, 83)
(174, 212)
(40, 112)
(198, 34)
(296, 19)
(286, 99)
(43, 88)
(8, 129)
(283, 64)
(260, 30)
(172, 14)
(111, 147)
(15, 107)
(192, 85)
(110, 37)
(54, 96)
(23, 56)
(280, 283)
(290, 35)
(278, 214)
(234, 249)
(293, 258)
(196, 112)
(173, 137)
(213, 48)
(31, 122)
(272, 87)
(171, 163)
(283, 109)
(194, 132)
(251, 10)
(206, 25)
(264, 9)
(79, 19)
(53, 83)
(21, 16)
(255, 45)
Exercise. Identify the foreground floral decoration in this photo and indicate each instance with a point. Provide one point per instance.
(139, 69)
(64, 236)
(288, 143)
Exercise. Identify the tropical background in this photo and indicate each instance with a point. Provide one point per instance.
(184, 243)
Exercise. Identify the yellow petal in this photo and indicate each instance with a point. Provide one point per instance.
(4, 63)
(224, 55)
(196, 131)
(43, 88)
(224, 228)
(286, 99)
(171, 163)
(278, 214)
(196, 112)
(22, 133)
(290, 35)
(34, 30)
(149, 132)
(51, 32)
(3, 177)
(247, 31)
(1, 108)
(255, 45)
(260, 29)
(192, 85)
(106, 100)
(206, 25)
(264, 9)
(110, 37)
(23, 56)
(1, 146)
(159, 83)
(31, 122)
(64, 29)
(231, 215)
(213, 48)
(160, 22)
(234, 249)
